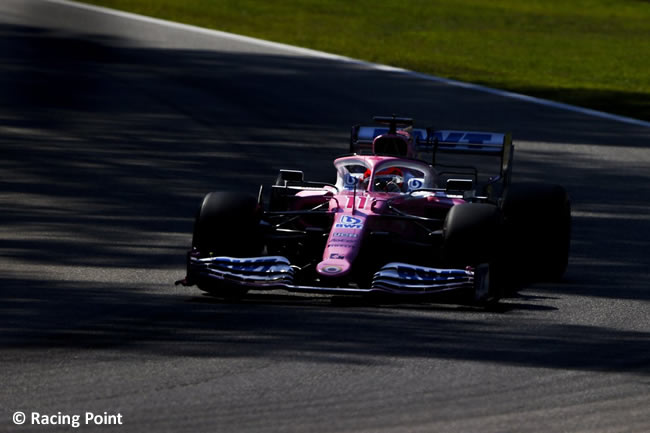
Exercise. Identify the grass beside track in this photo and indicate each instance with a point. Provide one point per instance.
(590, 53)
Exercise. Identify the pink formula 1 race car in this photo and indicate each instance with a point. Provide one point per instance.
(392, 223)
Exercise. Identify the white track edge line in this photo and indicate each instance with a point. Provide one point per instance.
(376, 66)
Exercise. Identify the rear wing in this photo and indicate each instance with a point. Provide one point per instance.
(476, 143)
(472, 143)
(446, 141)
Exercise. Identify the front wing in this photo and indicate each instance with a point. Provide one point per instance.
(275, 272)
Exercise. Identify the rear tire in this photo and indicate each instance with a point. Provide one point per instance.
(537, 232)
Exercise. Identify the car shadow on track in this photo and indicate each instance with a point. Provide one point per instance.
(309, 328)
(512, 303)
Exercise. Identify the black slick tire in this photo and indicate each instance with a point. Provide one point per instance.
(471, 235)
(227, 224)
(537, 222)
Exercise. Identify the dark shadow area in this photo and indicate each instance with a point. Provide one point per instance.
(313, 329)
(108, 149)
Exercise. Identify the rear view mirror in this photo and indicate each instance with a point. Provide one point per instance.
(459, 185)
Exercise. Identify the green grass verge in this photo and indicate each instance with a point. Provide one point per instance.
(591, 53)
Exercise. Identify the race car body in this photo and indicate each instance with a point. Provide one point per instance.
(386, 225)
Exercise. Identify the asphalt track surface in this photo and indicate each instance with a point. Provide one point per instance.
(111, 130)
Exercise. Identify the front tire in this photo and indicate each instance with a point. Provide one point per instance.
(471, 236)
(227, 224)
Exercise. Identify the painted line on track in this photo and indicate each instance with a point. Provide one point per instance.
(370, 65)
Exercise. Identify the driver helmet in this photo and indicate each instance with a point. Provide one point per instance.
(390, 179)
